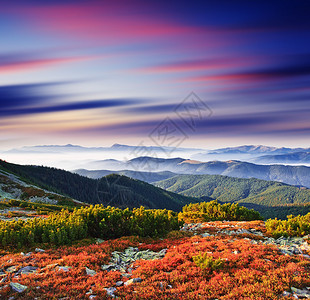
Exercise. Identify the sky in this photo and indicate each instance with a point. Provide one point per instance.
(168, 73)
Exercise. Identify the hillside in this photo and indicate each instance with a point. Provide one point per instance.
(113, 190)
(12, 187)
(253, 193)
(144, 176)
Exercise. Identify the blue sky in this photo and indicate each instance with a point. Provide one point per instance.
(99, 72)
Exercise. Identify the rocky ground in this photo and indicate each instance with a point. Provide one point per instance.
(16, 213)
(164, 269)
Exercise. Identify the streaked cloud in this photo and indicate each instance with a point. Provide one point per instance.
(18, 64)
(136, 60)
(27, 99)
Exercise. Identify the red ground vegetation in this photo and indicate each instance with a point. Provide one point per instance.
(248, 271)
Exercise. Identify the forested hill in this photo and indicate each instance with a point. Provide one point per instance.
(112, 190)
(230, 189)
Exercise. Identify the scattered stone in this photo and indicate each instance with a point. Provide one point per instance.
(119, 283)
(205, 234)
(27, 270)
(122, 261)
(16, 287)
(286, 294)
(111, 291)
(39, 250)
(89, 292)
(301, 293)
(3, 287)
(107, 267)
(90, 272)
(99, 241)
(132, 281)
(92, 297)
(64, 269)
(11, 269)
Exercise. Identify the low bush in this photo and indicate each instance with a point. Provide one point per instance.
(207, 263)
(93, 221)
(293, 226)
(213, 211)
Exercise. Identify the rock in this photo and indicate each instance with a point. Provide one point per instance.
(286, 252)
(16, 287)
(3, 287)
(64, 269)
(11, 269)
(122, 261)
(2, 273)
(90, 272)
(39, 250)
(286, 294)
(132, 281)
(119, 283)
(89, 292)
(27, 270)
(111, 291)
(205, 234)
(301, 293)
(107, 267)
(99, 241)
(92, 297)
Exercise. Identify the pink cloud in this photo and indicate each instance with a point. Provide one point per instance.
(30, 65)
(198, 65)
(99, 21)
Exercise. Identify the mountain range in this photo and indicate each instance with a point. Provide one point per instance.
(113, 190)
(293, 175)
(291, 158)
(270, 198)
(78, 157)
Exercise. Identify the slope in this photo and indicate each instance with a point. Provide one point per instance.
(229, 189)
(144, 176)
(112, 190)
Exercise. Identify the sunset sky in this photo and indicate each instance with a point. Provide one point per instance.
(95, 73)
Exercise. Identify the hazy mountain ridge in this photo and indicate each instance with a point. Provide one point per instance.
(72, 157)
(293, 175)
(292, 158)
